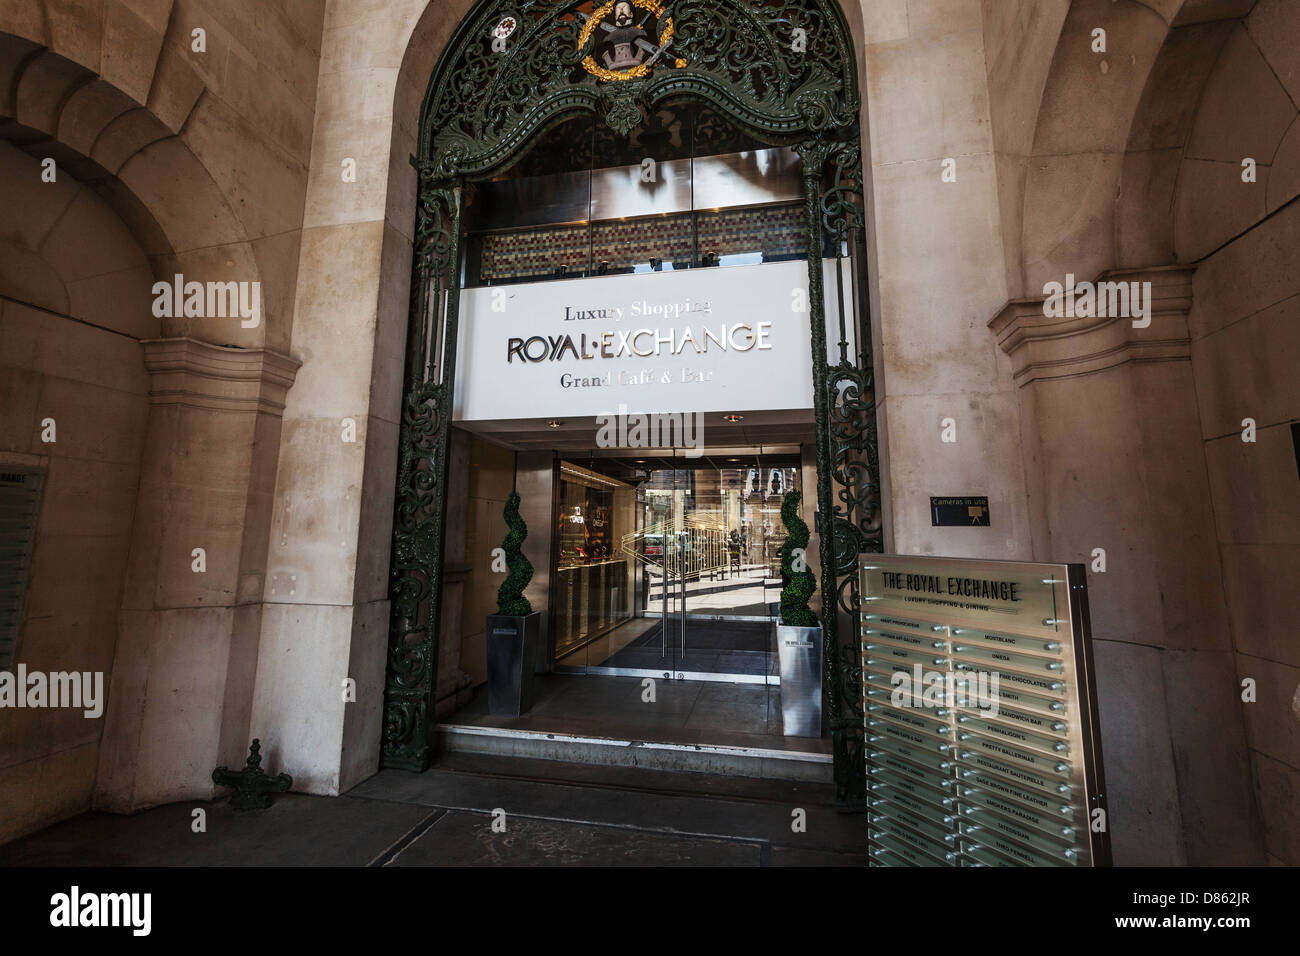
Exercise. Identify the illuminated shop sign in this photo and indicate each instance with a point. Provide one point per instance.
(700, 340)
(616, 313)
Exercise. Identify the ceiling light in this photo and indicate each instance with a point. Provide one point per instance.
(733, 418)
(554, 424)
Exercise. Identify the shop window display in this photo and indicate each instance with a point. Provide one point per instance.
(592, 576)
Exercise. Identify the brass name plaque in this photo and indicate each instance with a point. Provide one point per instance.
(981, 718)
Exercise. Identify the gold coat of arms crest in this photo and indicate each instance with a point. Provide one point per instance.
(626, 45)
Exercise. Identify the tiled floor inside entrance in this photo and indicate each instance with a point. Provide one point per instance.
(750, 591)
(688, 712)
(710, 647)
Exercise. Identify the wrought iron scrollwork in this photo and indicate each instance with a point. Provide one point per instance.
(489, 96)
(848, 467)
(853, 452)
(419, 510)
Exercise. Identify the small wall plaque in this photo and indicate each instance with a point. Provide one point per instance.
(968, 511)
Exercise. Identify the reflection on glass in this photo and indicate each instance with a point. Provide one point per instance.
(697, 545)
(686, 190)
(591, 591)
(738, 506)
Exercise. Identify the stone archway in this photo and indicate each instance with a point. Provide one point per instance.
(786, 73)
(145, 138)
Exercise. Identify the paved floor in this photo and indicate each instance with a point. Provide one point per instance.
(473, 810)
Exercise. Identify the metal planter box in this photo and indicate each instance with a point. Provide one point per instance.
(511, 658)
(799, 653)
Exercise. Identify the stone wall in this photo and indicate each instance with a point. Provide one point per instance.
(1130, 163)
(1244, 234)
(200, 149)
(74, 306)
(491, 476)
(939, 272)
(1245, 343)
(327, 611)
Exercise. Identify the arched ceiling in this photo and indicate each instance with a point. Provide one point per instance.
(1133, 157)
(115, 94)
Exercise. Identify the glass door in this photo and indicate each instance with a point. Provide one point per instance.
(694, 554)
(732, 579)
(655, 548)
(593, 598)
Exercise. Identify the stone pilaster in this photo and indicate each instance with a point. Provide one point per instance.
(182, 682)
(1114, 464)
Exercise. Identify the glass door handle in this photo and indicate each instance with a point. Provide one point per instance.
(663, 628)
(683, 642)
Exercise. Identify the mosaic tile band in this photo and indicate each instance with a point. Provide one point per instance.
(775, 232)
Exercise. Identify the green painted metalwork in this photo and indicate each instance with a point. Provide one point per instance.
(844, 411)
(781, 72)
(851, 455)
(741, 56)
(253, 786)
(415, 574)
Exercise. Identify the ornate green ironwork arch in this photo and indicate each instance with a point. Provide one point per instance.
(781, 71)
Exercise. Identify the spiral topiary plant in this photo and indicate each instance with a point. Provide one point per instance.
(510, 597)
(798, 586)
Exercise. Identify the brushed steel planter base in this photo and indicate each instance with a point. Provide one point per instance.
(799, 654)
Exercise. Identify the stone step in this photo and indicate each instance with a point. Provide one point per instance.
(724, 759)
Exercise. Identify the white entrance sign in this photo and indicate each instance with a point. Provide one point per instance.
(699, 340)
